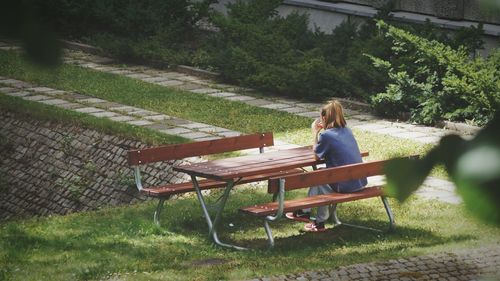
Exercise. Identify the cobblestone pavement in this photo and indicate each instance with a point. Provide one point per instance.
(477, 264)
(196, 131)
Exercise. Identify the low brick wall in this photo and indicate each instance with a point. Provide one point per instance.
(48, 168)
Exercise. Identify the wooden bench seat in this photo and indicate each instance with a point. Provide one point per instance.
(312, 202)
(279, 185)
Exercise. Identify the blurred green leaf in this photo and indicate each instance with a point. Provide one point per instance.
(405, 176)
(473, 165)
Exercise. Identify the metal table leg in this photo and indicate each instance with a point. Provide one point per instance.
(212, 224)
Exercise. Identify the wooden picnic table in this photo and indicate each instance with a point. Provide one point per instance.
(230, 170)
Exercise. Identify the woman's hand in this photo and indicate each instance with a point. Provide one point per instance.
(316, 126)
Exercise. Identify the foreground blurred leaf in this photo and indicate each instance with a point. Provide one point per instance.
(404, 176)
(22, 20)
(474, 167)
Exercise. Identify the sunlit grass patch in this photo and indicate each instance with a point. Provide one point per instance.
(124, 241)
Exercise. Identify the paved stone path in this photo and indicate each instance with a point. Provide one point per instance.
(477, 264)
(356, 118)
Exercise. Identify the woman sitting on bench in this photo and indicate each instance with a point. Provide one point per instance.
(337, 145)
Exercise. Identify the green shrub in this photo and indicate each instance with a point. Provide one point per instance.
(434, 81)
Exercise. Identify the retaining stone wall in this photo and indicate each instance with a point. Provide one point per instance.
(48, 168)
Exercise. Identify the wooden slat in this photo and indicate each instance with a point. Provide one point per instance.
(328, 175)
(171, 189)
(313, 201)
(180, 151)
(224, 169)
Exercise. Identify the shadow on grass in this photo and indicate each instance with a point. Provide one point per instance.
(289, 238)
(126, 239)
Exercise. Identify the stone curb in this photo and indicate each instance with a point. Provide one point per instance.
(460, 127)
(197, 72)
(82, 47)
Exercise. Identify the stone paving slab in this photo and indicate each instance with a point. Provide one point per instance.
(213, 129)
(391, 130)
(172, 75)
(189, 86)
(175, 131)
(40, 89)
(104, 114)
(295, 110)
(143, 113)
(19, 94)
(54, 101)
(121, 71)
(92, 100)
(194, 125)
(16, 83)
(76, 96)
(88, 110)
(310, 114)
(170, 83)
(121, 118)
(223, 94)
(240, 98)
(56, 92)
(7, 90)
(230, 134)
(124, 108)
(276, 106)
(195, 135)
(158, 127)
(257, 102)
(177, 121)
(138, 75)
(36, 98)
(139, 122)
(69, 105)
(205, 91)
(159, 117)
(154, 79)
(208, 138)
(409, 135)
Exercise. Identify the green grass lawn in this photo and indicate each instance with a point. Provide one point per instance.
(196, 107)
(124, 244)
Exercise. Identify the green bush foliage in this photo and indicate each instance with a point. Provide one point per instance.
(258, 48)
(154, 30)
(433, 81)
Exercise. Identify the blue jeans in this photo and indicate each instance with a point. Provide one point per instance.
(323, 212)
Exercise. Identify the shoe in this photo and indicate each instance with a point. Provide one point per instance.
(315, 227)
(299, 216)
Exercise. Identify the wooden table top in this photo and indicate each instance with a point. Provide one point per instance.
(248, 165)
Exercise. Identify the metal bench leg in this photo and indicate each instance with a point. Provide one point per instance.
(389, 212)
(333, 214)
(281, 208)
(158, 210)
(270, 239)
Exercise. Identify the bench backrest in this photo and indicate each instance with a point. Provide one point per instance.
(328, 175)
(180, 151)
